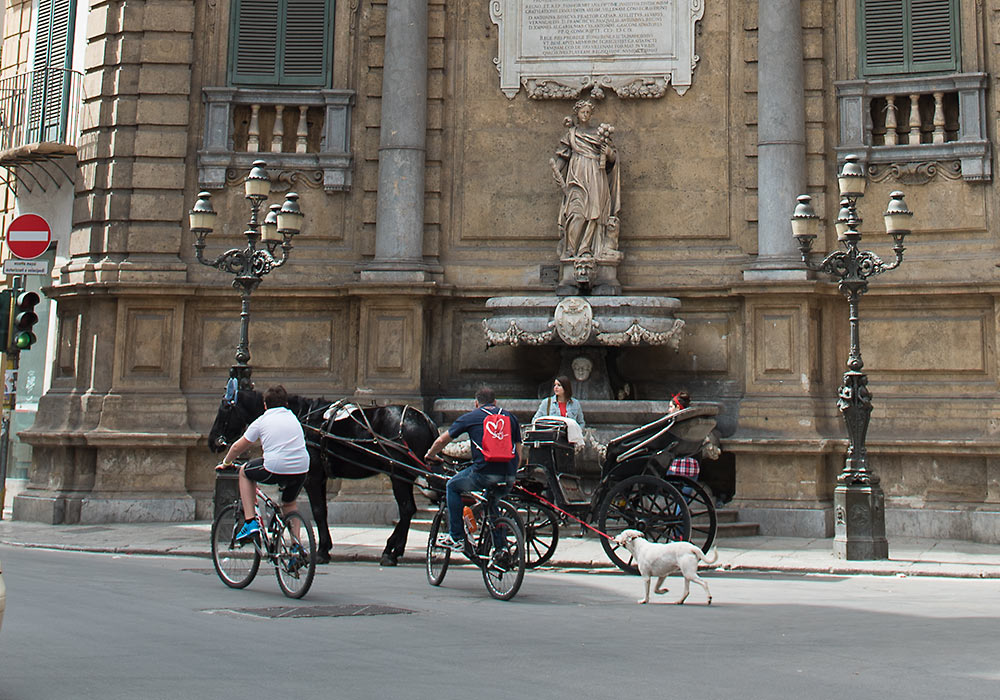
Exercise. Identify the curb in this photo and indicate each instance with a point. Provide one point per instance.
(362, 553)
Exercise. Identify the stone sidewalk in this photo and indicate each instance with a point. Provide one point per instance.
(908, 556)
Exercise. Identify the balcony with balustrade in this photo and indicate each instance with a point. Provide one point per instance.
(917, 127)
(303, 134)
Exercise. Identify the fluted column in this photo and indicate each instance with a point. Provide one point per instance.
(781, 139)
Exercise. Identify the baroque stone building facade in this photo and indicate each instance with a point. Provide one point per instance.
(427, 190)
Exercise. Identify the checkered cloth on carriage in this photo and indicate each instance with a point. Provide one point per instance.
(685, 466)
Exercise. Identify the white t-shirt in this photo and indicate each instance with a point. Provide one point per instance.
(282, 440)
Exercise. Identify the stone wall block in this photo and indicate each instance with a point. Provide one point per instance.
(160, 79)
(122, 112)
(149, 205)
(157, 237)
(435, 54)
(176, 17)
(167, 49)
(436, 17)
(121, 143)
(165, 110)
(376, 53)
(102, 19)
(158, 174)
(162, 142)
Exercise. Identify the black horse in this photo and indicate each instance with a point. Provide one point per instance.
(401, 433)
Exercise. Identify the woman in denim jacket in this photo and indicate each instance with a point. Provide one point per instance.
(561, 403)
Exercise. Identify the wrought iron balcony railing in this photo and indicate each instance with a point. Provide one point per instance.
(41, 106)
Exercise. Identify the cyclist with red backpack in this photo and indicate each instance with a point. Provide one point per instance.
(495, 435)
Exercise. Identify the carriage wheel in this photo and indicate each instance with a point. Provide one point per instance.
(437, 557)
(645, 503)
(704, 521)
(236, 564)
(541, 530)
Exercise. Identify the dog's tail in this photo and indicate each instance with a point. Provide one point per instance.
(704, 559)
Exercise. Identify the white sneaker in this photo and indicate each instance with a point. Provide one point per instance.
(447, 542)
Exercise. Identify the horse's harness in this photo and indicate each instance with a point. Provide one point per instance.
(342, 409)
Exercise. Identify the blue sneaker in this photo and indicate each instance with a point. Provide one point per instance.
(296, 559)
(248, 531)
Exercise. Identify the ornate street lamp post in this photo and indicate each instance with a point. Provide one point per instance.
(249, 264)
(858, 500)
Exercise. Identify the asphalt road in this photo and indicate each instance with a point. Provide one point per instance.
(99, 626)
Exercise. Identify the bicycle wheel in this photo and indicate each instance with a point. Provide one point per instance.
(645, 503)
(236, 564)
(541, 530)
(704, 521)
(295, 561)
(502, 545)
(437, 557)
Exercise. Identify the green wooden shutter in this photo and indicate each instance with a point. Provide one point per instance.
(253, 56)
(281, 42)
(306, 58)
(48, 104)
(934, 27)
(908, 36)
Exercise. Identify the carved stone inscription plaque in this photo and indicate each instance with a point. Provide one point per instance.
(559, 48)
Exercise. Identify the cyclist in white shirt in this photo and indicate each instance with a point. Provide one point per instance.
(285, 462)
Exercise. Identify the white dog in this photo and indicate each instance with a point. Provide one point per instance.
(660, 560)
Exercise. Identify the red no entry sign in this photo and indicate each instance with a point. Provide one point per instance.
(28, 236)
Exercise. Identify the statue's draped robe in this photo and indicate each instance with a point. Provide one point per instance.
(591, 196)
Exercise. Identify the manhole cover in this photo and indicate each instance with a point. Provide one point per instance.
(321, 611)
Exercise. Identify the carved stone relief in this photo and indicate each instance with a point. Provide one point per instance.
(916, 173)
(557, 49)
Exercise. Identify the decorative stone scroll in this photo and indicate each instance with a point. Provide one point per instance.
(582, 321)
(557, 49)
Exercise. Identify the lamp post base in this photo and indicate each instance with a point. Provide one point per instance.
(859, 527)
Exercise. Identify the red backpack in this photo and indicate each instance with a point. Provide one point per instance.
(498, 442)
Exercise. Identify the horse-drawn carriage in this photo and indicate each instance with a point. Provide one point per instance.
(636, 489)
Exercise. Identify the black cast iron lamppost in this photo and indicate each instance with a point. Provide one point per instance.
(249, 264)
(858, 500)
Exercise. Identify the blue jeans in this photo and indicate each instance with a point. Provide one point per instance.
(469, 479)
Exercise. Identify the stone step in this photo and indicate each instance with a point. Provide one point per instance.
(737, 529)
(725, 515)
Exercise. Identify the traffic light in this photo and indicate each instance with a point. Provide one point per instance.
(25, 318)
(6, 296)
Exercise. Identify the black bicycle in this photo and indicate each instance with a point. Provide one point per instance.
(494, 541)
(287, 542)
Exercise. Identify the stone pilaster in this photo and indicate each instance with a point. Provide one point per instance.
(130, 206)
(112, 432)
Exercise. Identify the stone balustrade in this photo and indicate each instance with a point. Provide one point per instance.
(303, 131)
(919, 125)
